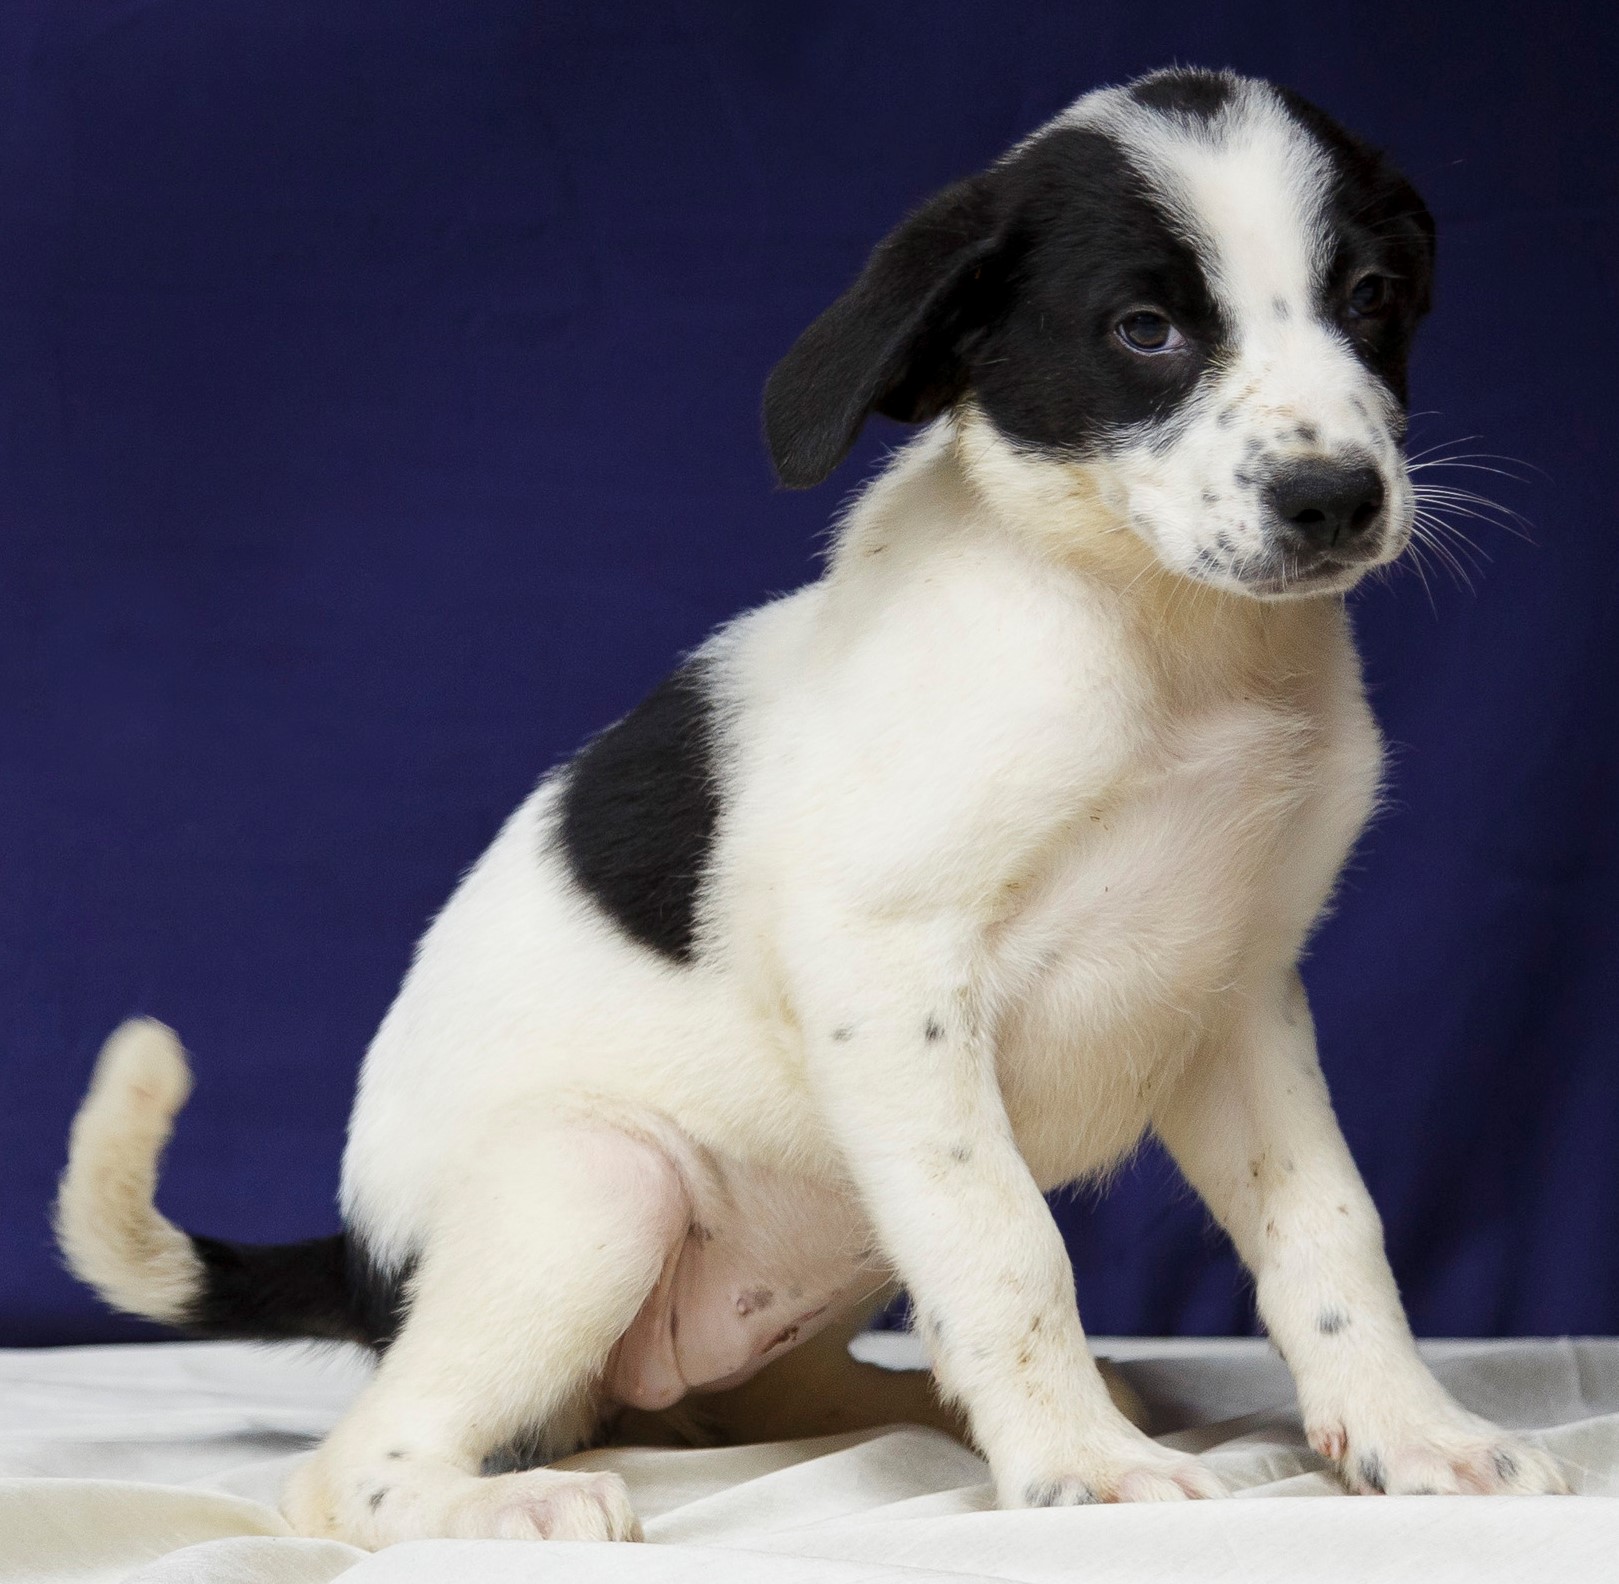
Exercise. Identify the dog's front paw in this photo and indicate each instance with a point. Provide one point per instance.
(1456, 1455)
(1132, 1472)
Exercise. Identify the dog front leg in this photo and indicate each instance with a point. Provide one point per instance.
(900, 1058)
(1252, 1127)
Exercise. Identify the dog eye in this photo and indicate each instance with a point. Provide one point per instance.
(1370, 296)
(1145, 331)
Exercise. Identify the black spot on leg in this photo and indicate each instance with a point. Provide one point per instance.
(1506, 1465)
(1331, 1321)
(1058, 1493)
(374, 1500)
(843, 1034)
(934, 1031)
(1370, 1469)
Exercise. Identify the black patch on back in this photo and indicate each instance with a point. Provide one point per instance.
(1184, 90)
(638, 811)
(320, 1287)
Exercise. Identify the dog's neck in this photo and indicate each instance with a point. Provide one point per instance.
(960, 481)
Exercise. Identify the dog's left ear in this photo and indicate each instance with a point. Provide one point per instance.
(893, 342)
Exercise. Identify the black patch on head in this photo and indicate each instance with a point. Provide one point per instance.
(327, 1287)
(1184, 91)
(1370, 1469)
(638, 810)
(1379, 225)
(1331, 1321)
(1010, 286)
(1050, 369)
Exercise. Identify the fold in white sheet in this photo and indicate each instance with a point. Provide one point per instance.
(162, 1464)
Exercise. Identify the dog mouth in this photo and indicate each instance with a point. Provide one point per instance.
(1288, 574)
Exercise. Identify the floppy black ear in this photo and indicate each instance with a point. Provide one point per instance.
(893, 342)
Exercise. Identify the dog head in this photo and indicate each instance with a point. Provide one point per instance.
(1197, 290)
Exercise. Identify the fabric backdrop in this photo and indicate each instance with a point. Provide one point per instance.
(380, 385)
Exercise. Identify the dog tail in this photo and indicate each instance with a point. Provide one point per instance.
(115, 1239)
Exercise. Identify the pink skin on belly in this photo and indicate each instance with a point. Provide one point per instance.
(759, 1275)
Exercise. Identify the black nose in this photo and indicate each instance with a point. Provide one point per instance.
(1326, 504)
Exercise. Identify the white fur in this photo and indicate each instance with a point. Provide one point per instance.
(1027, 816)
(106, 1224)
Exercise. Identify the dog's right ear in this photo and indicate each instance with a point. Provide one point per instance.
(893, 343)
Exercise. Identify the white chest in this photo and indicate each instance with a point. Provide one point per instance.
(1217, 856)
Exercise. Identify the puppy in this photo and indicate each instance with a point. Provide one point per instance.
(915, 894)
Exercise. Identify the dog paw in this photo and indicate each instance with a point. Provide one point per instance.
(1130, 1474)
(546, 1504)
(1460, 1457)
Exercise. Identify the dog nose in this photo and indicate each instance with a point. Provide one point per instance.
(1326, 504)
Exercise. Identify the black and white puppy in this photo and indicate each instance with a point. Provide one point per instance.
(917, 893)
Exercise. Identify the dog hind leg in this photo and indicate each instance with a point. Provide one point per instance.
(538, 1263)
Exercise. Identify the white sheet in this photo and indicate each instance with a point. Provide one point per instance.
(161, 1464)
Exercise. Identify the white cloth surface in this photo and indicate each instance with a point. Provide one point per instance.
(161, 1464)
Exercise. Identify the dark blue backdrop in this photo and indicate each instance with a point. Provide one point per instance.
(380, 382)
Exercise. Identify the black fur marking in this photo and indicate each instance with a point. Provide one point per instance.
(1506, 1466)
(1370, 1469)
(526, 1451)
(638, 813)
(934, 1031)
(322, 1287)
(961, 1153)
(396, 1454)
(1058, 1493)
(1279, 307)
(1179, 90)
(1379, 225)
(1010, 284)
(1331, 1321)
(843, 1033)
(374, 1500)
